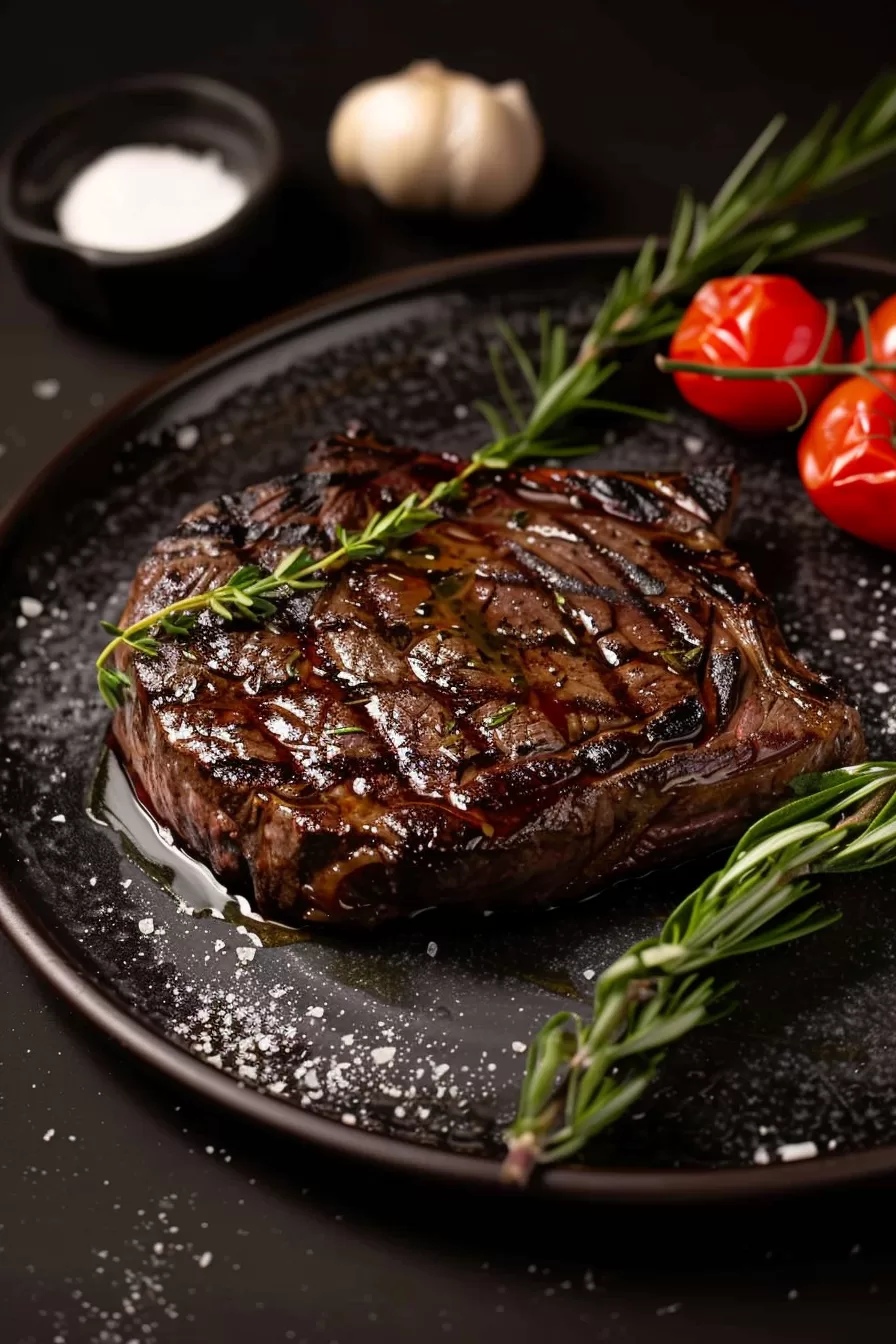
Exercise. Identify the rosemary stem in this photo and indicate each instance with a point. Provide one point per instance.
(251, 595)
(581, 1076)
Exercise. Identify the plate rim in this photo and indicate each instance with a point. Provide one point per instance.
(60, 968)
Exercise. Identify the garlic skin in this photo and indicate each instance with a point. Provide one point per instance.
(431, 139)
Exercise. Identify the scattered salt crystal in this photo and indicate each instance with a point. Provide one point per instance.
(440, 1070)
(461, 412)
(431, 949)
(45, 389)
(49, 1134)
(93, 882)
(881, 688)
(204, 1260)
(383, 1054)
(349, 1119)
(589, 974)
(518, 1047)
(158, 1248)
(314, 1012)
(837, 634)
(761, 1157)
(29, 606)
(146, 926)
(348, 1040)
(59, 817)
(187, 437)
(245, 953)
(21, 622)
(692, 444)
(797, 1152)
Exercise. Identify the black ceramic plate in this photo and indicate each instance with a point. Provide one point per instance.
(406, 1048)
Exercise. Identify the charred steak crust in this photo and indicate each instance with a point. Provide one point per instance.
(568, 679)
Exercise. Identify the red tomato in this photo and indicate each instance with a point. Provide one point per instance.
(848, 460)
(883, 338)
(753, 321)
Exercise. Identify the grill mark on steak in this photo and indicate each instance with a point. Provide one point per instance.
(554, 684)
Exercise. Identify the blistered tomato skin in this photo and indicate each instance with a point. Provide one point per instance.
(754, 321)
(882, 325)
(847, 460)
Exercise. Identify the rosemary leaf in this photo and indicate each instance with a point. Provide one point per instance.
(581, 1076)
(501, 716)
(748, 223)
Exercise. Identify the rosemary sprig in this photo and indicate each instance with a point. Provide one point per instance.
(744, 226)
(250, 592)
(582, 1075)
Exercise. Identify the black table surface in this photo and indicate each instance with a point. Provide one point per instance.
(131, 1213)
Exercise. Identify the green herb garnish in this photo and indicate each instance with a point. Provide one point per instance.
(582, 1075)
(682, 657)
(501, 716)
(747, 224)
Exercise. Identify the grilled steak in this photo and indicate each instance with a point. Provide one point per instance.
(565, 679)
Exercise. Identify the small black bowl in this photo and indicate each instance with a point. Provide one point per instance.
(189, 292)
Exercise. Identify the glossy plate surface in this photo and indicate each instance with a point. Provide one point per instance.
(406, 1048)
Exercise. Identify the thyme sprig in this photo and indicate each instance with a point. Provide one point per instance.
(249, 593)
(581, 1075)
(747, 224)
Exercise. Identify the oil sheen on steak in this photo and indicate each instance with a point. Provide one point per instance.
(566, 679)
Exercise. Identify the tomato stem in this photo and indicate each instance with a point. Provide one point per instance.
(780, 373)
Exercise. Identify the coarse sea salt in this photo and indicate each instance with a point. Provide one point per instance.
(797, 1152)
(146, 198)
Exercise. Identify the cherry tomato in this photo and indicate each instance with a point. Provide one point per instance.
(847, 460)
(882, 324)
(757, 321)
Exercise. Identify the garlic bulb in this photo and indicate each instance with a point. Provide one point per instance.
(429, 138)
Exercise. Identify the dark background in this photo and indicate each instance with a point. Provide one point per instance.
(114, 1191)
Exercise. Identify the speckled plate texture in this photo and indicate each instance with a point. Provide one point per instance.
(406, 1047)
